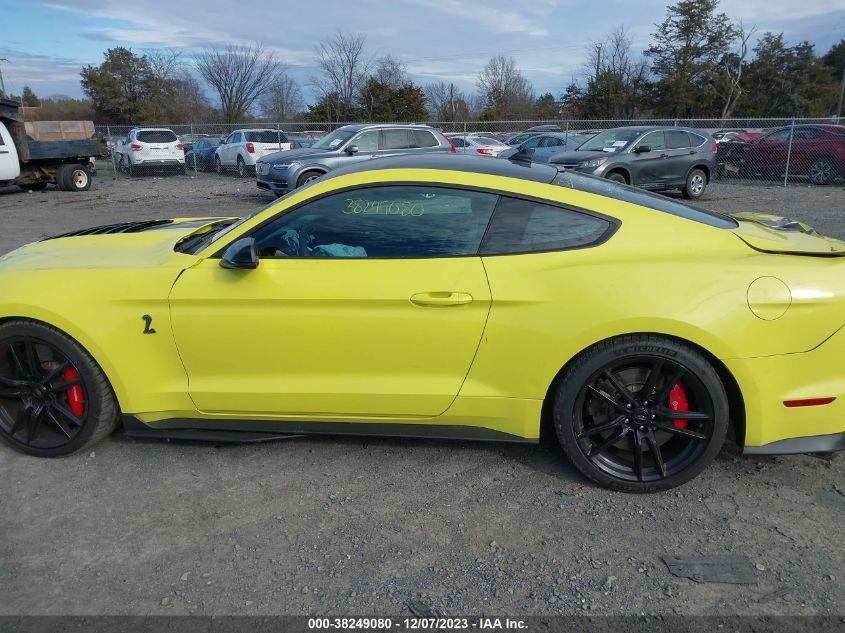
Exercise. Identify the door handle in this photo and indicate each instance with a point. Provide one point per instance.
(664, 156)
(441, 299)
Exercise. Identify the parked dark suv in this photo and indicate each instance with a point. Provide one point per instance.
(284, 171)
(649, 157)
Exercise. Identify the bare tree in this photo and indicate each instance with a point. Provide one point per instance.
(239, 75)
(344, 68)
(391, 71)
(446, 101)
(283, 100)
(505, 89)
(733, 65)
(616, 80)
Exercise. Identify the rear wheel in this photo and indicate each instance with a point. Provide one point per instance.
(822, 171)
(641, 413)
(73, 178)
(241, 168)
(54, 398)
(695, 185)
(218, 166)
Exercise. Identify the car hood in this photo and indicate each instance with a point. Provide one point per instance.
(302, 153)
(127, 245)
(775, 234)
(575, 156)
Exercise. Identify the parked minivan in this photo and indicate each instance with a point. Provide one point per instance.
(285, 171)
(649, 157)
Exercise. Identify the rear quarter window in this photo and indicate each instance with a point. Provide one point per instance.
(424, 138)
(526, 226)
(156, 136)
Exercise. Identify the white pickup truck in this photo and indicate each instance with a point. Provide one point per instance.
(147, 149)
(34, 154)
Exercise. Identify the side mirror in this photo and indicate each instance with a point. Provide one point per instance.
(642, 149)
(352, 149)
(241, 254)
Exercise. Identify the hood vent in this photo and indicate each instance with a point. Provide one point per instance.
(110, 229)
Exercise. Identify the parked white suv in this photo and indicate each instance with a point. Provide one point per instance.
(148, 149)
(242, 148)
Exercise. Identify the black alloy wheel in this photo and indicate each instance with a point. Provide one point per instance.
(54, 399)
(642, 417)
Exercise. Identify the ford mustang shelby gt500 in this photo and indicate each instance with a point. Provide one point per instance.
(445, 297)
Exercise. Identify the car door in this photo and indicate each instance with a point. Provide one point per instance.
(768, 154)
(9, 165)
(366, 303)
(647, 168)
(367, 143)
(680, 157)
(548, 146)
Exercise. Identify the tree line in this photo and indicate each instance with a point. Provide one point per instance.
(699, 64)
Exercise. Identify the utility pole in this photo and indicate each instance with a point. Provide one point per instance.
(841, 95)
(3, 60)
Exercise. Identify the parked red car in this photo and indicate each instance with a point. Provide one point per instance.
(818, 152)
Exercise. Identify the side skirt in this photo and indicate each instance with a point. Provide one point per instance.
(238, 431)
(814, 444)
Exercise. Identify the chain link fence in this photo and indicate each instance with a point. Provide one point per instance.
(773, 150)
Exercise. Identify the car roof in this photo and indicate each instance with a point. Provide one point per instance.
(365, 126)
(525, 170)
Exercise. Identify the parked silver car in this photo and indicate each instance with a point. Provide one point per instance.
(477, 144)
(544, 146)
(284, 171)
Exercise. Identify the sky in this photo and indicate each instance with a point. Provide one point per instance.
(46, 42)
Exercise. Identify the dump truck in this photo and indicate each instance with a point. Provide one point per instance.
(36, 153)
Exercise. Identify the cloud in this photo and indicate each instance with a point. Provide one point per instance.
(497, 20)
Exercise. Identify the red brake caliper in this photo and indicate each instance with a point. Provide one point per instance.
(75, 396)
(678, 402)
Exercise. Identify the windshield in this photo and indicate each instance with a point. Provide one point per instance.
(486, 140)
(335, 139)
(266, 136)
(610, 141)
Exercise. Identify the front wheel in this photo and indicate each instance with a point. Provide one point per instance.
(695, 184)
(641, 413)
(54, 398)
(616, 176)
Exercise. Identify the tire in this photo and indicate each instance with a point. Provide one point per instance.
(131, 171)
(73, 177)
(218, 166)
(307, 177)
(695, 185)
(616, 176)
(822, 171)
(587, 423)
(241, 167)
(98, 416)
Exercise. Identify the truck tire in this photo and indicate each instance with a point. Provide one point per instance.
(73, 177)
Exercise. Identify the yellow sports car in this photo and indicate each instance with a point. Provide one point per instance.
(440, 297)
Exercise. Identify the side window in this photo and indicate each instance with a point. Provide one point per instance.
(675, 139)
(532, 142)
(199, 145)
(2, 142)
(366, 141)
(459, 142)
(381, 222)
(551, 141)
(778, 137)
(697, 141)
(425, 138)
(653, 140)
(523, 226)
(395, 139)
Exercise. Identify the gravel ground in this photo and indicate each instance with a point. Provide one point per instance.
(364, 526)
